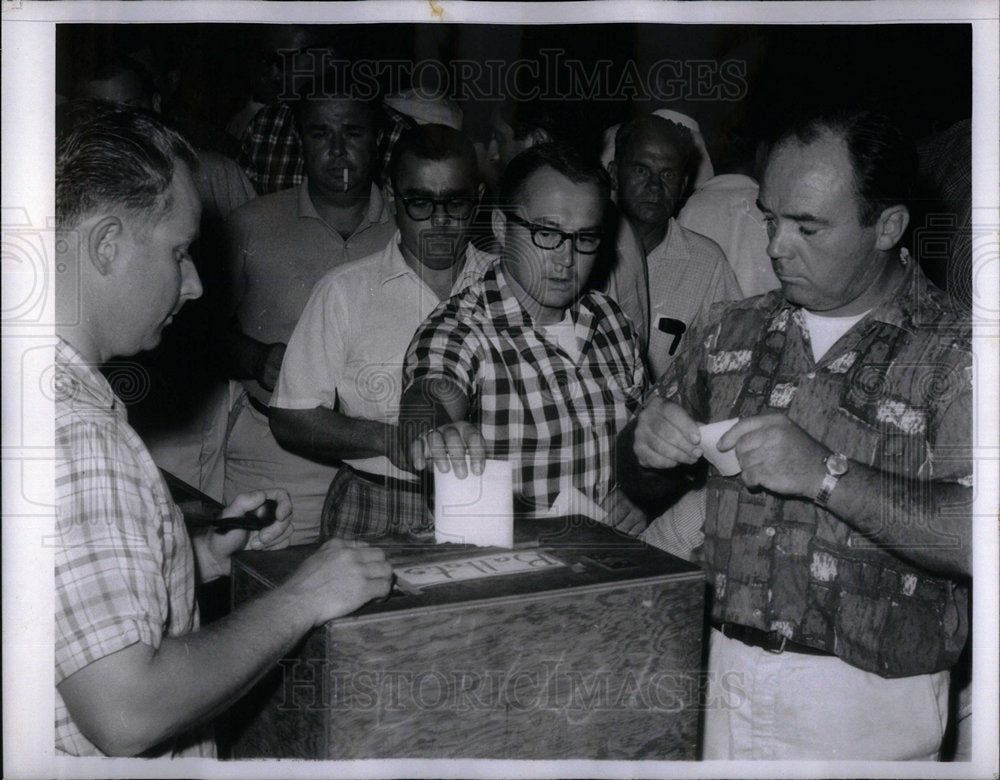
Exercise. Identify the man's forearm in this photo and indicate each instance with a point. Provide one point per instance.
(325, 435)
(145, 697)
(928, 524)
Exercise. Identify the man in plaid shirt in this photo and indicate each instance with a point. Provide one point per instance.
(133, 672)
(523, 365)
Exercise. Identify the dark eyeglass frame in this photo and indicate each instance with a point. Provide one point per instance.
(535, 229)
(467, 203)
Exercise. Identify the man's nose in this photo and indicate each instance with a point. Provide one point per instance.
(440, 217)
(338, 144)
(777, 241)
(565, 254)
(191, 288)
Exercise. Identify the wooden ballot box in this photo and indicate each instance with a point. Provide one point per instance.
(578, 643)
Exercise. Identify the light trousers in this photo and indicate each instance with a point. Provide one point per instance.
(774, 706)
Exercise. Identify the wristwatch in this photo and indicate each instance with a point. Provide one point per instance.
(836, 466)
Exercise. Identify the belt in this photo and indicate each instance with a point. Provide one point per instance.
(260, 406)
(772, 641)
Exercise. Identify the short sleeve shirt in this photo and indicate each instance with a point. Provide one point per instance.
(348, 348)
(124, 567)
(282, 248)
(554, 417)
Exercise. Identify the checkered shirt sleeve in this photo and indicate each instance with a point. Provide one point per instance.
(555, 419)
(270, 151)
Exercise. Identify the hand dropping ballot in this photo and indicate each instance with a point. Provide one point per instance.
(477, 509)
(726, 462)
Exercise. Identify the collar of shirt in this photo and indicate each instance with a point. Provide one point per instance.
(78, 382)
(392, 265)
(506, 312)
(377, 210)
(915, 303)
(674, 244)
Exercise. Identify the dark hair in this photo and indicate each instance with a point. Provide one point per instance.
(562, 159)
(883, 158)
(115, 156)
(653, 126)
(433, 142)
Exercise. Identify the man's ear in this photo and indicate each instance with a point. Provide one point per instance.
(156, 102)
(890, 226)
(480, 191)
(104, 243)
(499, 223)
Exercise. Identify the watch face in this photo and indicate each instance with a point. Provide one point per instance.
(836, 464)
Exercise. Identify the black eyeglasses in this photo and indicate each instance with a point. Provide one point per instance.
(421, 208)
(586, 242)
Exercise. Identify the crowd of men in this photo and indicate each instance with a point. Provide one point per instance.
(395, 300)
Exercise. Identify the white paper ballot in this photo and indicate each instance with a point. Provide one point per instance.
(571, 501)
(725, 462)
(476, 510)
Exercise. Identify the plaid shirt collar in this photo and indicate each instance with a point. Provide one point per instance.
(507, 313)
(79, 382)
(377, 209)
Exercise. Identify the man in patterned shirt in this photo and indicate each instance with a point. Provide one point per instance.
(839, 556)
(522, 365)
(133, 672)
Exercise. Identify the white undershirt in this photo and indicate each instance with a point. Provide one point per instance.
(824, 332)
(563, 333)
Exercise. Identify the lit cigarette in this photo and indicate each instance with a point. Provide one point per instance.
(345, 179)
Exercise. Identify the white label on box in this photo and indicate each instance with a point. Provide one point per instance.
(475, 567)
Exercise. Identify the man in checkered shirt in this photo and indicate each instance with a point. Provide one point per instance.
(133, 672)
(524, 365)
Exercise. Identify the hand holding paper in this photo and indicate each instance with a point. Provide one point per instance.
(726, 462)
(457, 446)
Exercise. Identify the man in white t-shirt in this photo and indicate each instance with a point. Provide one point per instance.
(337, 397)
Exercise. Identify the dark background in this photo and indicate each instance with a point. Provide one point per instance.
(918, 73)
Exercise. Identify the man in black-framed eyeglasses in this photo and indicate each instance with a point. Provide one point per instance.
(337, 396)
(528, 364)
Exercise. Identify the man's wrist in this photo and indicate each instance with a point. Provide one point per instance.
(836, 465)
(209, 566)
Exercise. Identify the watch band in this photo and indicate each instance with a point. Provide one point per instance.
(836, 466)
(829, 483)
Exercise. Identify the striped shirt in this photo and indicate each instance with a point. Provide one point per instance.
(554, 417)
(124, 566)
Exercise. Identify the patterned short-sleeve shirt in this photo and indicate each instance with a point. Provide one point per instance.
(124, 566)
(893, 393)
(554, 417)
